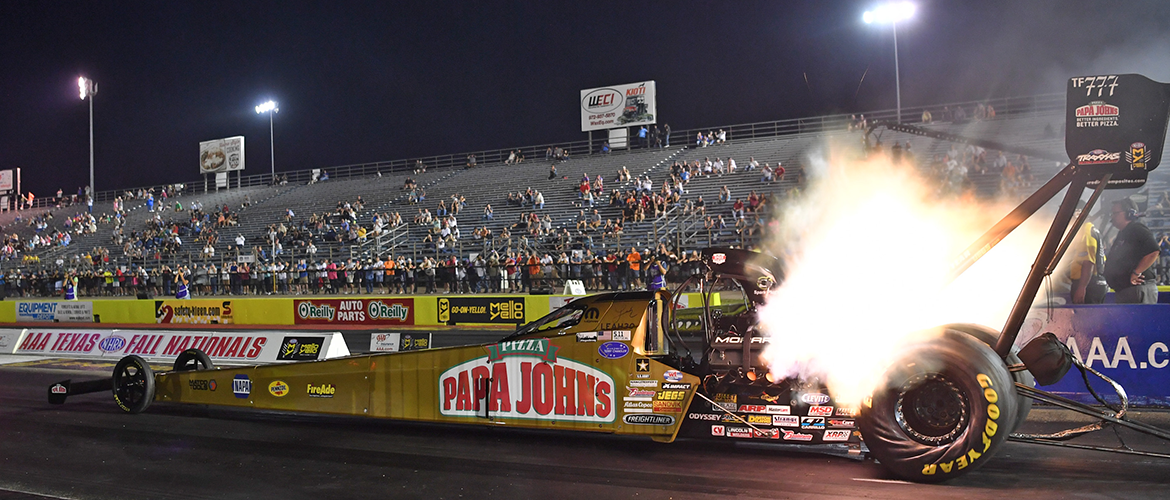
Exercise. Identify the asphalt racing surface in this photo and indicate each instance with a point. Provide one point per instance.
(88, 448)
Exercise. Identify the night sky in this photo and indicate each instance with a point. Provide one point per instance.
(370, 81)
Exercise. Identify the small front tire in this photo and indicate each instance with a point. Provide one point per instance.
(133, 384)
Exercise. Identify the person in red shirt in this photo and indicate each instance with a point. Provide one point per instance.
(737, 209)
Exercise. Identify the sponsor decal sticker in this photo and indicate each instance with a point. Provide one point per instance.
(278, 389)
(703, 416)
(242, 386)
(524, 380)
(766, 433)
(1097, 114)
(642, 383)
(840, 422)
(621, 335)
(58, 389)
(777, 410)
(796, 436)
(672, 376)
(677, 387)
(586, 336)
(1137, 156)
(613, 350)
(718, 430)
(812, 422)
(785, 421)
(759, 419)
(719, 258)
(642, 365)
(668, 406)
(649, 419)
(1098, 157)
(300, 348)
(201, 385)
(820, 411)
(532, 347)
(814, 398)
(739, 432)
(836, 435)
(843, 411)
(320, 391)
(753, 409)
(637, 394)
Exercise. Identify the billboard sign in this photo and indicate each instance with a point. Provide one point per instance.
(6, 180)
(628, 105)
(354, 311)
(221, 155)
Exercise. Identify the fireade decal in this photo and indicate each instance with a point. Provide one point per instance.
(989, 431)
(527, 384)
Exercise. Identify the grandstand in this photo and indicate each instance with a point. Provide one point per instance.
(257, 202)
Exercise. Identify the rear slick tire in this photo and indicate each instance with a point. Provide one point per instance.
(133, 384)
(989, 336)
(193, 360)
(942, 410)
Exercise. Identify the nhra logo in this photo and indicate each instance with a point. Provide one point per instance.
(113, 343)
(242, 386)
(300, 348)
(1098, 157)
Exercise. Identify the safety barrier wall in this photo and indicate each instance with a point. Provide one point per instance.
(1127, 343)
(375, 312)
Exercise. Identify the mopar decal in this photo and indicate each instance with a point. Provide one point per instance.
(526, 380)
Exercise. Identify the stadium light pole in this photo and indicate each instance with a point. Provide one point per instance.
(270, 108)
(892, 13)
(89, 88)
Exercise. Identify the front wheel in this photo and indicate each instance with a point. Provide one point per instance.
(133, 384)
(943, 409)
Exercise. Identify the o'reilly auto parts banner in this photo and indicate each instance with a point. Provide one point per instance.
(504, 310)
(617, 106)
(354, 312)
(221, 155)
(57, 312)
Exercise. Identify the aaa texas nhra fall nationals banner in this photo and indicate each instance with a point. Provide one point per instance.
(193, 312)
(353, 312)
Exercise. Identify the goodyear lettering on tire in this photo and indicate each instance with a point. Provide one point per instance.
(989, 430)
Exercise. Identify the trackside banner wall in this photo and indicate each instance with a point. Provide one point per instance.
(230, 347)
(324, 313)
(628, 105)
(1128, 343)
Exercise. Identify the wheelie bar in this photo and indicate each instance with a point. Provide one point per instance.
(65, 388)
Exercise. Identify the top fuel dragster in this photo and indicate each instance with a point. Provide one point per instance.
(647, 363)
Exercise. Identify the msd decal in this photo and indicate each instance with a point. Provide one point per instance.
(820, 411)
(525, 379)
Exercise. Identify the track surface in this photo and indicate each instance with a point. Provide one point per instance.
(89, 449)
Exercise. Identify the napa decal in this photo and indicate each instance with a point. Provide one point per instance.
(526, 380)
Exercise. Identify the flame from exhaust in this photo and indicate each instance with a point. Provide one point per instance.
(867, 249)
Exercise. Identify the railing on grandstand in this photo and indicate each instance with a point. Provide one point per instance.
(678, 137)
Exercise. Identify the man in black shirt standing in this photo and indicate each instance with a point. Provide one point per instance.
(1128, 266)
